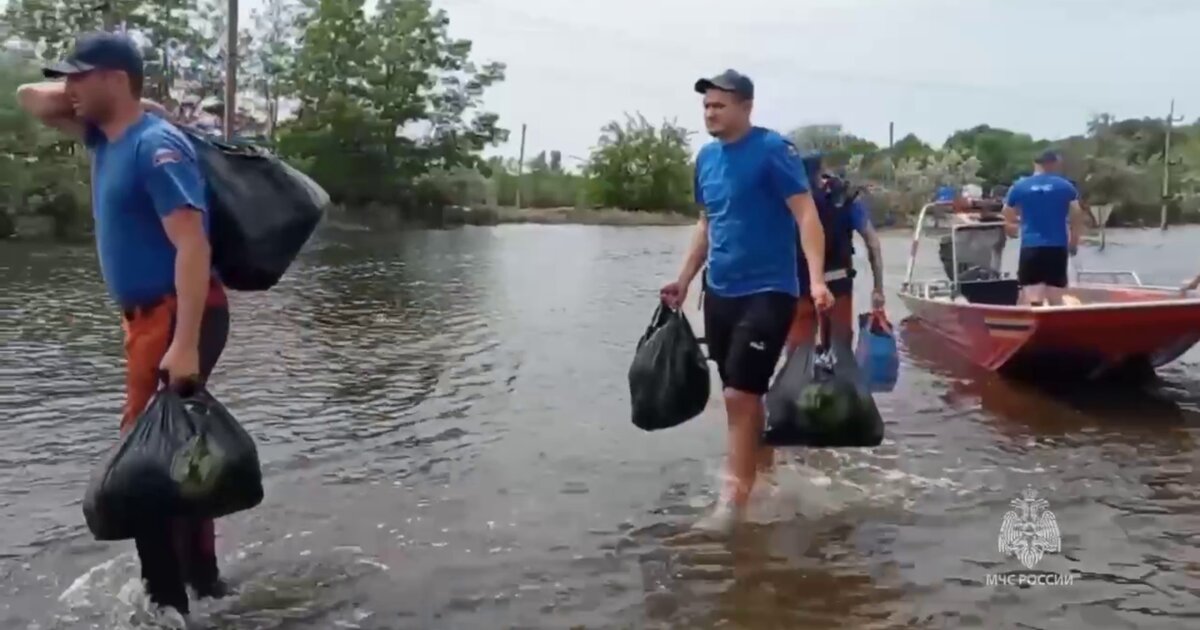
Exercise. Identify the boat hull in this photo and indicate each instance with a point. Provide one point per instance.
(1142, 329)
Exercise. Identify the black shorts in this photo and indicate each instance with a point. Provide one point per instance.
(1043, 265)
(746, 336)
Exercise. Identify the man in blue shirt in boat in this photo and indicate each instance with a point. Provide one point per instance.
(755, 194)
(1043, 209)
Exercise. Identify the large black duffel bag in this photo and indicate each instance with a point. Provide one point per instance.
(263, 211)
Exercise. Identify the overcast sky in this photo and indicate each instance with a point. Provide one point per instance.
(931, 66)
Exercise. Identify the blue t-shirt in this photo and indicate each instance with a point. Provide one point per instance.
(137, 180)
(744, 187)
(1044, 200)
(859, 219)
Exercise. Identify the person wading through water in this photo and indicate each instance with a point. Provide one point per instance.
(148, 199)
(754, 193)
(842, 214)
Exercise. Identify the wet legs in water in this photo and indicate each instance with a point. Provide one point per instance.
(747, 456)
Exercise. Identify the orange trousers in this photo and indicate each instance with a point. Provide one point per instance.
(173, 552)
(804, 324)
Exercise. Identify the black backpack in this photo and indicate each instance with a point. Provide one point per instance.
(263, 211)
(833, 197)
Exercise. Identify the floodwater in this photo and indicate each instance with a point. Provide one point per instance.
(444, 426)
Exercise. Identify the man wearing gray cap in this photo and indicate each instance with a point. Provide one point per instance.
(1044, 210)
(755, 194)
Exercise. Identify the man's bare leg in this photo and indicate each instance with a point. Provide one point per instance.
(745, 413)
(766, 460)
(746, 416)
(1033, 294)
(1054, 295)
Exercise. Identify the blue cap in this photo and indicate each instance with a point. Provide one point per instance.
(99, 51)
(1049, 156)
(730, 81)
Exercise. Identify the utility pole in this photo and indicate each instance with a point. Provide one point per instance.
(1166, 188)
(891, 157)
(231, 63)
(106, 15)
(165, 89)
(520, 165)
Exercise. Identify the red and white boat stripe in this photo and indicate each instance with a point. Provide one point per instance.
(1008, 327)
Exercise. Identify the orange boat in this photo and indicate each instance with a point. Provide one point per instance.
(1109, 323)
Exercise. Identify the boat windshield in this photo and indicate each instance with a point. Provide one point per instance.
(979, 250)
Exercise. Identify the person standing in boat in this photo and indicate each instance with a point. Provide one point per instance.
(149, 202)
(1043, 210)
(755, 195)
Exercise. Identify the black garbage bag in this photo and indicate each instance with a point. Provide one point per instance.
(263, 211)
(819, 399)
(186, 456)
(668, 380)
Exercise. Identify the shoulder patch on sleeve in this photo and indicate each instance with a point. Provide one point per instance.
(166, 155)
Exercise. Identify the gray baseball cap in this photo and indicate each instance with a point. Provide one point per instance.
(730, 81)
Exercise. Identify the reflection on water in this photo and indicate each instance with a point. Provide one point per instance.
(443, 419)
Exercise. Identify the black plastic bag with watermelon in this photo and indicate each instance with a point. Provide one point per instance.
(186, 456)
(819, 399)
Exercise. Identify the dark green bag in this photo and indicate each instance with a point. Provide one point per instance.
(186, 456)
(668, 380)
(819, 399)
(263, 211)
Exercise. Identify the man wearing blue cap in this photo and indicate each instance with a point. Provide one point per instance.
(754, 192)
(1044, 210)
(148, 199)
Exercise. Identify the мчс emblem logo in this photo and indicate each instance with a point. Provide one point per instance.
(1030, 530)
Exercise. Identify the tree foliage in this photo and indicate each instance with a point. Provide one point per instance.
(41, 176)
(1003, 154)
(640, 166)
(385, 100)
(380, 103)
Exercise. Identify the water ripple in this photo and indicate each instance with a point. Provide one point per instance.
(443, 422)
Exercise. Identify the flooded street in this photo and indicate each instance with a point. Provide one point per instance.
(443, 421)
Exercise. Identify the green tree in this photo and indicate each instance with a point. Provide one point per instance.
(1003, 155)
(272, 57)
(168, 27)
(638, 166)
(910, 147)
(40, 174)
(385, 101)
(832, 141)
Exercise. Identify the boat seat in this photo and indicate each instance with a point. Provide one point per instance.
(1000, 292)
